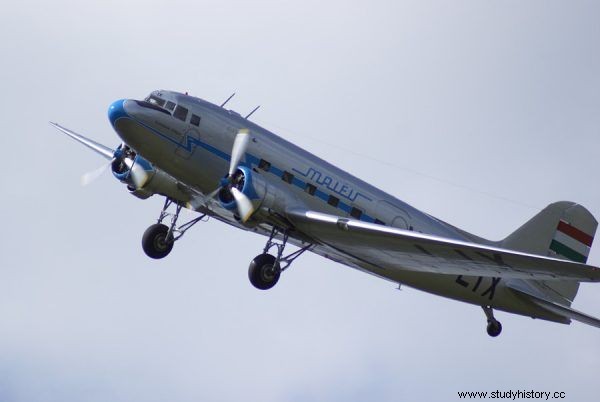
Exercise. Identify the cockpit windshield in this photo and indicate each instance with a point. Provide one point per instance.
(151, 105)
(155, 100)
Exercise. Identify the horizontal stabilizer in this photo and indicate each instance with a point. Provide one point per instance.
(542, 300)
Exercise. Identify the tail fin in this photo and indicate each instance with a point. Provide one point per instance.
(561, 230)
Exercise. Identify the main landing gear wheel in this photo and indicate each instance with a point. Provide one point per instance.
(157, 242)
(158, 239)
(264, 271)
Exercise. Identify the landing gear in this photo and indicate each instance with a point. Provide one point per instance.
(265, 269)
(494, 327)
(158, 239)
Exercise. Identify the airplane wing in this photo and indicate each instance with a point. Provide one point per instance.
(390, 248)
(105, 151)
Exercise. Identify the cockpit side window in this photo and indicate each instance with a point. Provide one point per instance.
(195, 120)
(170, 106)
(180, 113)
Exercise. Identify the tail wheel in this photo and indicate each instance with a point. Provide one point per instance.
(264, 271)
(494, 328)
(155, 242)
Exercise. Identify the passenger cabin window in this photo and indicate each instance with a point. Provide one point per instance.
(180, 113)
(170, 106)
(333, 201)
(355, 213)
(310, 189)
(195, 120)
(264, 165)
(287, 177)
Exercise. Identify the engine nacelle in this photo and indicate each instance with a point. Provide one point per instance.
(140, 192)
(266, 197)
(251, 185)
(142, 179)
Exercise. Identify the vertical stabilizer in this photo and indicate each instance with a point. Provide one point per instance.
(561, 230)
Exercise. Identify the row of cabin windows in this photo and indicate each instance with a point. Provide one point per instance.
(312, 189)
(179, 112)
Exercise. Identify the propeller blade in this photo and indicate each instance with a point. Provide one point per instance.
(138, 175)
(197, 202)
(208, 198)
(239, 149)
(244, 205)
(214, 193)
(91, 176)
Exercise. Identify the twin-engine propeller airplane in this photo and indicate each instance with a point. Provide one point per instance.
(212, 160)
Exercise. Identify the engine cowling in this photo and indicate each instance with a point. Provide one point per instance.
(253, 186)
(143, 180)
(267, 197)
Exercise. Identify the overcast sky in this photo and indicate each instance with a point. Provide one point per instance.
(480, 113)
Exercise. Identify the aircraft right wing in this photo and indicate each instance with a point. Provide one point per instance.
(390, 248)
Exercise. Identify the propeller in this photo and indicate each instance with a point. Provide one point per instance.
(91, 176)
(228, 183)
(119, 155)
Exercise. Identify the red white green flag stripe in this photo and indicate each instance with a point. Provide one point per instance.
(571, 242)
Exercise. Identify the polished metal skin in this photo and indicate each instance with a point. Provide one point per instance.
(182, 148)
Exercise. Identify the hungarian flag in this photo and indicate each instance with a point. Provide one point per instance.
(571, 242)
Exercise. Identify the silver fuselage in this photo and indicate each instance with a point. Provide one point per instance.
(198, 156)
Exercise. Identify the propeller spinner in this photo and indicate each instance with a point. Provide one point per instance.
(228, 187)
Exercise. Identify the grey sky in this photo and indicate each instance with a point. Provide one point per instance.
(438, 103)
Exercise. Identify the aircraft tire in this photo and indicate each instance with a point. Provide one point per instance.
(263, 273)
(494, 328)
(155, 242)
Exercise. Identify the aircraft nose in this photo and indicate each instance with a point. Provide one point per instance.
(116, 110)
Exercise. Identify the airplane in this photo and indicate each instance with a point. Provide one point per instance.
(209, 159)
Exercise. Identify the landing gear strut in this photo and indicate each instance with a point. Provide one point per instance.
(158, 239)
(494, 327)
(265, 269)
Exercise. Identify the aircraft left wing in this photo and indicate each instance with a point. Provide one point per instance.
(103, 150)
(372, 245)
